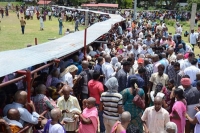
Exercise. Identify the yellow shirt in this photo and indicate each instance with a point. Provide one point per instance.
(71, 103)
(156, 78)
(22, 22)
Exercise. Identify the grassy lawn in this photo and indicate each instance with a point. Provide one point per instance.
(12, 38)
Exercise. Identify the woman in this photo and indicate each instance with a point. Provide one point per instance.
(110, 104)
(196, 120)
(169, 96)
(128, 96)
(178, 110)
(89, 117)
(68, 75)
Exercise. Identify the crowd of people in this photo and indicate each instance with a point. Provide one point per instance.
(141, 78)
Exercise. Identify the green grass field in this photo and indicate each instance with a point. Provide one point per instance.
(12, 38)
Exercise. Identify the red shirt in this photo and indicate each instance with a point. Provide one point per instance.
(95, 89)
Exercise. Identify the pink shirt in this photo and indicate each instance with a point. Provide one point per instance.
(95, 89)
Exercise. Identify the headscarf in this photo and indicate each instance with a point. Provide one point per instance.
(171, 125)
(114, 61)
(112, 84)
(185, 81)
(70, 68)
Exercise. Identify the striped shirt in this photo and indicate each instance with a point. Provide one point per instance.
(111, 101)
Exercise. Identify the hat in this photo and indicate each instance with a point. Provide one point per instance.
(140, 60)
(185, 81)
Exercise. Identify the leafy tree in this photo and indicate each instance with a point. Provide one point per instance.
(189, 7)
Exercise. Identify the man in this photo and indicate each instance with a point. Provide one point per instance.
(155, 118)
(96, 88)
(12, 118)
(86, 75)
(179, 41)
(107, 68)
(76, 24)
(49, 14)
(121, 75)
(41, 102)
(60, 22)
(159, 77)
(180, 59)
(179, 74)
(164, 61)
(194, 83)
(66, 103)
(41, 23)
(148, 41)
(171, 55)
(193, 38)
(98, 67)
(23, 23)
(156, 62)
(192, 70)
(53, 125)
(20, 101)
(111, 104)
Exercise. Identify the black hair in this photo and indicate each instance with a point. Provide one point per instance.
(141, 70)
(162, 66)
(100, 59)
(186, 76)
(194, 61)
(126, 63)
(172, 81)
(198, 83)
(191, 54)
(3, 97)
(158, 89)
(179, 92)
(130, 59)
(96, 75)
(177, 64)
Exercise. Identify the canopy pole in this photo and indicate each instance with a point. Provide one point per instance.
(85, 45)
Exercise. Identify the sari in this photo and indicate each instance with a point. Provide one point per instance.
(135, 111)
(114, 128)
(93, 115)
(180, 108)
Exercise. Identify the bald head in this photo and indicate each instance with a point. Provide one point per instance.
(107, 58)
(179, 56)
(126, 117)
(41, 89)
(13, 114)
(66, 91)
(92, 100)
(21, 97)
(85, 64)
(55, 114)
(158, 99)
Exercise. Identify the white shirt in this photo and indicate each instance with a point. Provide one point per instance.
(56, 128)
(49, 13)
(197, 126)
(191, 71)
(193, 38)
(68, 79)
(182, 66)
(107, 70)
(141, 35)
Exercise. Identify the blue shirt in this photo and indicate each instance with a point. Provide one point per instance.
(194, 83)
(25, 116)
